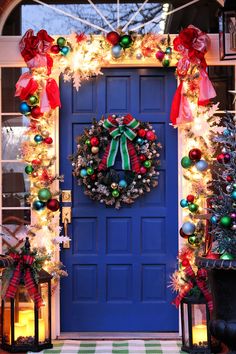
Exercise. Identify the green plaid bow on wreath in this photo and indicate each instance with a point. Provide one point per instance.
(122, 131)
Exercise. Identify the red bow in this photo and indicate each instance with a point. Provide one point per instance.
(34, 49)
(23, 271)
(200, 280)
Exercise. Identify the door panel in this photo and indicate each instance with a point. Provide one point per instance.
(120, 260)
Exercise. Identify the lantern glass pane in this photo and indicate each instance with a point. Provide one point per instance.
(7, 322)
(199, 325)
(44, 315)
(24, 318)
(185, 328)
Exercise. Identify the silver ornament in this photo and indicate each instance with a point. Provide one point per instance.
(224, 150)
(229, 188)
(139, 56)
(233, 227)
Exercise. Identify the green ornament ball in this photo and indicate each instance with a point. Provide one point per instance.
(61, 41)
(33, 100)
(234, 186)
(44, 194)
(29, 169)
(227, 256)
(126, 41)
(87, 142)
(166, 62)
(193, 207)
(147, 164)
(193, 240)
(90, 171)
(225, 221)
(186, 162)
(115, 193)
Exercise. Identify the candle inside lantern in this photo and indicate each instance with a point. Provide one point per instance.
(41, 329)
(20, 330)
(199, 334)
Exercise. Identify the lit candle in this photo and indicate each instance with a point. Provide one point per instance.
(25, 316)
(41, 329)
(20, 330)
(199, 334)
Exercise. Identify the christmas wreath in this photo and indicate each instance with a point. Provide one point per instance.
(97, 151)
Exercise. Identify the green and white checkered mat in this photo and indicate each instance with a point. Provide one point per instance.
(116, 347)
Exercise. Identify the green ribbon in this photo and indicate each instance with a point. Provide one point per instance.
(120, 133)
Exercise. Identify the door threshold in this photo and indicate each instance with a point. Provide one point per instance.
(119, 335)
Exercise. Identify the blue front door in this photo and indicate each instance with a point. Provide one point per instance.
(119, 261)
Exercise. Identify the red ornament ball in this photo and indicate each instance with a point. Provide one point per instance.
(185, 262)
(150, 135)
(160, 55)
(48, 140)
(113, 37)
(53, 204)
(142, 158)
(190, 198)
(223, 158)
(141, 133)
(182, 234)
(55, 49)
(93, 177)
(143, 170)
(229, 178)
(195, 154)
(226, 158)
(36, 112)
(94, 141)
(36, 162)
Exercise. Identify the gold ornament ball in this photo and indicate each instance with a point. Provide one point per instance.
(114, 185)
(95, 149)
(45, 133)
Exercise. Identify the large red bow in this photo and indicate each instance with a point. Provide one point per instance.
(200, 280)
(23, 271)
(34, 49)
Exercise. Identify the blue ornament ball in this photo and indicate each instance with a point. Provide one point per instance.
(140, 141)
(183, 203)
(226, 132)
(233, 195)
(188, 228)
(116, 51)
(38, 138)
(65, 50)
(213, 219)
(201, 165)
(25, 108)
(122, 183)
(83, 172)
(38, 205)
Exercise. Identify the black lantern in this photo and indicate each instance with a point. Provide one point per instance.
(195, 319)
(227, 31)
(25, 327)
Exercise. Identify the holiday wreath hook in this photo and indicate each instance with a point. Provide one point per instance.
(96, 161)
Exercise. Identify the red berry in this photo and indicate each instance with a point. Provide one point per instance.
(229, 179)
(141, 133)
(36, 162)
(94, 141)
(48, 140)
(113, 38)
(36, 112)
(190, 198)
(93, 177)
(142, 158)
(143, 170)
(150, 135)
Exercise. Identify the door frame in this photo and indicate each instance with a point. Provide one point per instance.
(12, 58)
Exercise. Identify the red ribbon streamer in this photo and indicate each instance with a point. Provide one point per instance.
(23, 270)
(200, 280)
(53, 93)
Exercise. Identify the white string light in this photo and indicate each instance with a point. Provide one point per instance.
(134, 15)
(118, 13)
(167, 13)
(71, 16)
(101, 14)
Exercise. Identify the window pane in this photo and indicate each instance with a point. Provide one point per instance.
(13, 129)
(14, 228)
(10, 103)
(222, 78)
(15, 185)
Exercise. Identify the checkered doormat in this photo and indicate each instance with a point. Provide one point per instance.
(116, 347)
